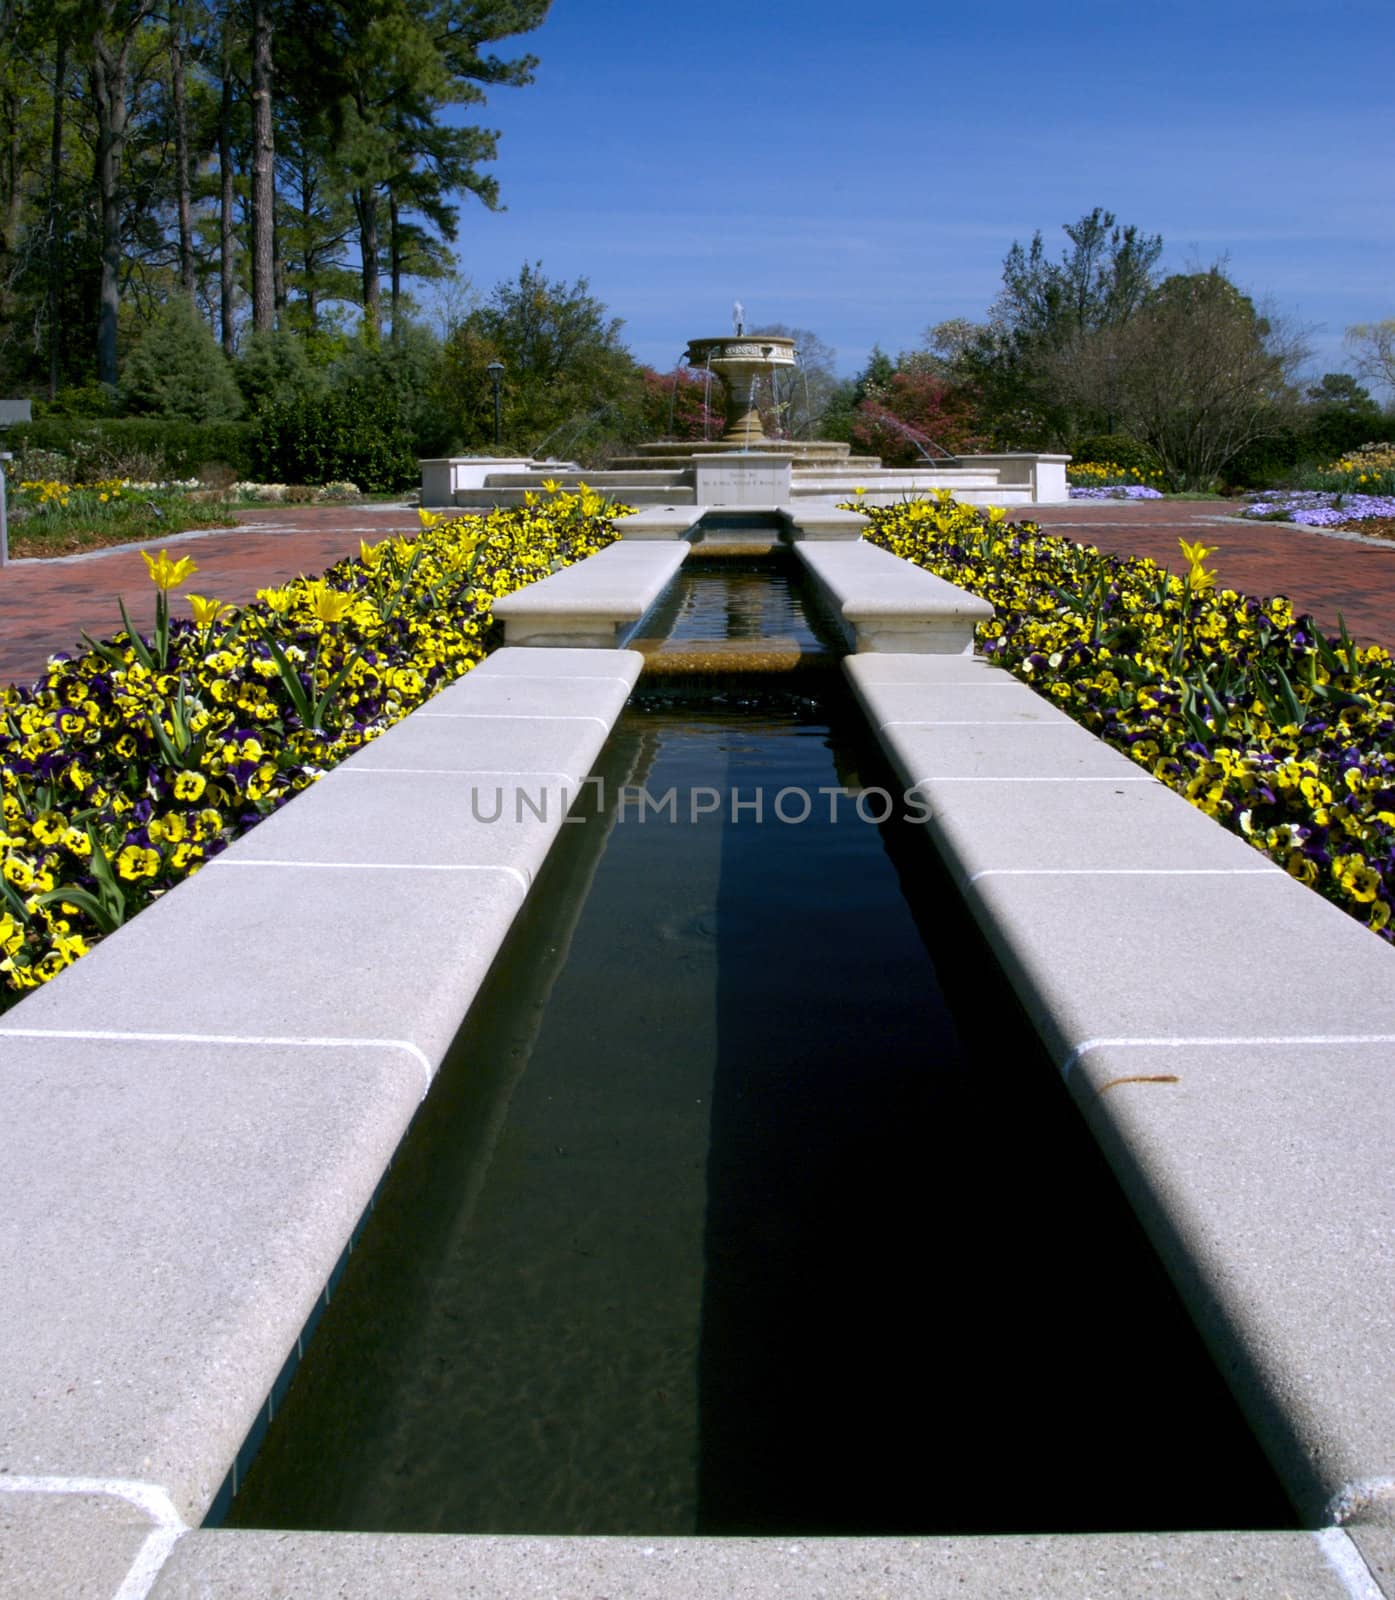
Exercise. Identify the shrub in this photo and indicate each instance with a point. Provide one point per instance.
(140, 447)
(274, 366)
(340, 435)
(1120, 450)
(178, 369)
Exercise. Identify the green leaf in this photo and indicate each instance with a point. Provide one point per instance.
(291, 679)
(1294, 712)
(100, 912)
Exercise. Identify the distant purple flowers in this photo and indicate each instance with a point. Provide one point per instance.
(1312, 508)
(1122, 491)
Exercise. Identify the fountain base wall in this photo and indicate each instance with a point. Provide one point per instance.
(776, 474)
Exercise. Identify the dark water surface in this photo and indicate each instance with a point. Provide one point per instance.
(735, 600)
(747, 1203)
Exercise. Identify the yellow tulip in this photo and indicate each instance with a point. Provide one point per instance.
(166, 574)
(206, 612)
(329, 605)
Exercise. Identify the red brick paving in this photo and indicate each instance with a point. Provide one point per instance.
(46, 605)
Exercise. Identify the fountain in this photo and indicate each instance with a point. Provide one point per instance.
(740, 361)
(747, 468)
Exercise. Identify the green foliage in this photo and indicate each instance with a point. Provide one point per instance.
(1029, 364)
(276, 366)
(402, 374)
(840, 411)
(112, 114)
(81, 400)
(51, 518)
(178, 369)
(1336, 416)
(1098, 283)
(155, 446)
(328, 438)
(1119, 448)
(568, 385)
(1203, 377)
(1339, 416)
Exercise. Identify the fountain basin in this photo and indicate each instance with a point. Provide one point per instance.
(740, 361)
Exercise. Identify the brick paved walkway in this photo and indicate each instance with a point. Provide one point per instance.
(46, 605)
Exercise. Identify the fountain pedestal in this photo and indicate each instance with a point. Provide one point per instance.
(740, 361)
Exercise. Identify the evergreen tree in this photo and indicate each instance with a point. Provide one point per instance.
(178, 370)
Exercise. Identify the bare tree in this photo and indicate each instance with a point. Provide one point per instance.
(809, 389)
(1374, 346)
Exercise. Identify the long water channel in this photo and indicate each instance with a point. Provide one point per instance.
(747, 1201)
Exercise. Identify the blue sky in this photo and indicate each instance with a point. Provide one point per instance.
(862, 171)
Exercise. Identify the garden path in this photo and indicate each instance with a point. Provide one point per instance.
(46, 605)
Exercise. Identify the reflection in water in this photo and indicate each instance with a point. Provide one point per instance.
(721, 600)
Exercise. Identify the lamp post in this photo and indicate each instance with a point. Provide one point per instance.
(11, 412)
(4, 526)
(495, 369)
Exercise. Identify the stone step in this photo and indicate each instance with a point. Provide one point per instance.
(634, 495)
(600, 479)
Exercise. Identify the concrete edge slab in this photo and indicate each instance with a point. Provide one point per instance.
(888, 605)
(1172, 899)
(108, 995)
(595, 604)
(1259, 1169)
(1166, 1566)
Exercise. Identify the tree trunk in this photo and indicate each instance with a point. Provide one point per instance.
(278, 272)
(263, 173)
(109, 97)
(184, 205)
(366, 208)
(55, 227)
(110, 86)
(12, 185)
(227, 232)
(394, 266)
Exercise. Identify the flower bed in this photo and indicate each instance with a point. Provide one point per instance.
(1107, 480)
(1120, 491)
(50, 516)
(126, 767)
(1281, 733)
(1316, 508)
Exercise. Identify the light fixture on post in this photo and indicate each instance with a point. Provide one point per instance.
(495, 369)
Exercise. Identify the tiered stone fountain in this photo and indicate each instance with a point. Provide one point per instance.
(747, 468)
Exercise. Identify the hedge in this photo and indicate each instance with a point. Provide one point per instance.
(164, 447)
